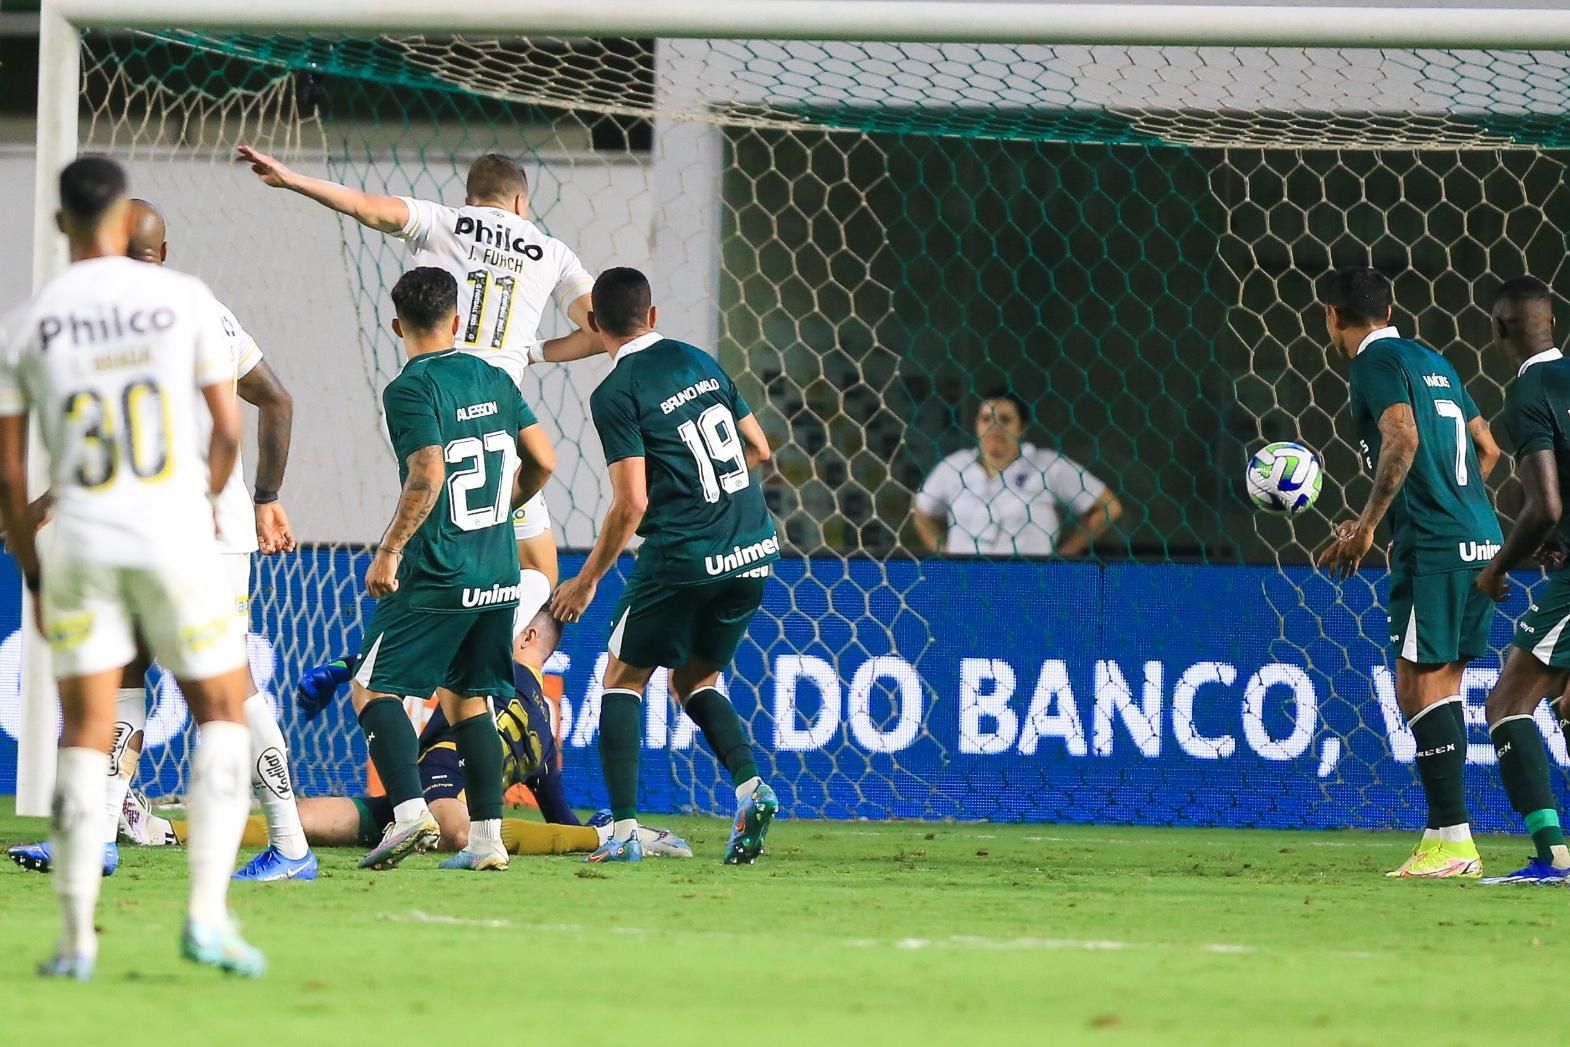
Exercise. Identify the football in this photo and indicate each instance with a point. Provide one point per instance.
(1283, 477)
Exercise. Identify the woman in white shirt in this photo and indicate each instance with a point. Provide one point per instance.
(1005, 497)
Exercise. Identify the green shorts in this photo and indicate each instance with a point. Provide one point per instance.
(411, 652)
(664, 625)
(1436, 619)
(1542, 630)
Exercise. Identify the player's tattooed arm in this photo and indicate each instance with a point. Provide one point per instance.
(261, 388)
(1488, 453)
(427, 472)
(385, 214)
(1539, 475)
(1398, 449)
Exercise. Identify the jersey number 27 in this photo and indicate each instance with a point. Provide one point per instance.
(474, 454)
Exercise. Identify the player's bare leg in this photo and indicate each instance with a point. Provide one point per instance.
(480, 756)
(76, 834)
(695, 687)
(1430, 698)
(218, 803)
(1523, 763)
(394, 750)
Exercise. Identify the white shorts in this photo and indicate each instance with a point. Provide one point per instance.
(531, 519)
(237, 575)
(185, 612)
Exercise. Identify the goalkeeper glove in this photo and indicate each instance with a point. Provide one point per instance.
(319, 685)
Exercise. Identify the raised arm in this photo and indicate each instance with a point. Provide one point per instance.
(1397, 450)
(385, 214)
(536, 462)
(1488, 452)
(421, 488)
(261, 388)
(1539, 474)
(629, 501)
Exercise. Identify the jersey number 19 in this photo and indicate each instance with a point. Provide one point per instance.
(712, 438)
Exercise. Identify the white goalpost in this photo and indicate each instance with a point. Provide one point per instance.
(876, 211)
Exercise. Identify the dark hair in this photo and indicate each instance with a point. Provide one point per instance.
(496, 177)
(1360, 294)
(1004, 393)
(621, 300)
(1523, 289)
(89, 185)
(424, 297)
(548, 626)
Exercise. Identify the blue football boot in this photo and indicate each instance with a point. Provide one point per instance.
(37, 857)
(272, 865)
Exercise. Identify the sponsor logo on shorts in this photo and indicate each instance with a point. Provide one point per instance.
(273, 771)
(742, 555)
(1472, 552)
(477, 597)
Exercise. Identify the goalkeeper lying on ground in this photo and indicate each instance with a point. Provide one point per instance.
(525, 726)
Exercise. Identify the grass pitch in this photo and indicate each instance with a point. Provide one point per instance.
(843, 934)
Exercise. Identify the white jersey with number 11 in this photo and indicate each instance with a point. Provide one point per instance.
(507, 272)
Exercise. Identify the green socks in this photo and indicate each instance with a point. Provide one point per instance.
(480, 756)
(722, 729)
(1441, 763)
(1523, 768)
(394, 748)
(621, 744)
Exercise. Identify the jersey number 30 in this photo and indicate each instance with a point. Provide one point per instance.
(712, 438)
(136, 429)
(474, 453)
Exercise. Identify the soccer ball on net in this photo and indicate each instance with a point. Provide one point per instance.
(1283, 477)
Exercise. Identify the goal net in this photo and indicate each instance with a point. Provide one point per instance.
(872, 237)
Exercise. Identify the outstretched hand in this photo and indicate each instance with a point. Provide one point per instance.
(319, 685)
(270, 171)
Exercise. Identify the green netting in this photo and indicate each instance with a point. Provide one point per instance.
(871, 235)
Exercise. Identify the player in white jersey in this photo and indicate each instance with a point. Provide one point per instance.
(241, 532)
(507, 271)
(110, 356)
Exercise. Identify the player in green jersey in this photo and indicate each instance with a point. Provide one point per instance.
(681, 444)
(1537, 410)
(445, 573)
(1430, 453)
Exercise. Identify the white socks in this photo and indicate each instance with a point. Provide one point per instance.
(217, 806)
(76, 838)
(412, 811)
(486, 835)
(270, 779)
(130, 720)
(1450, 833)
(624, 829)
(744, 790)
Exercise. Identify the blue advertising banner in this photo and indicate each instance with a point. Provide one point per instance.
(1058, 692)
